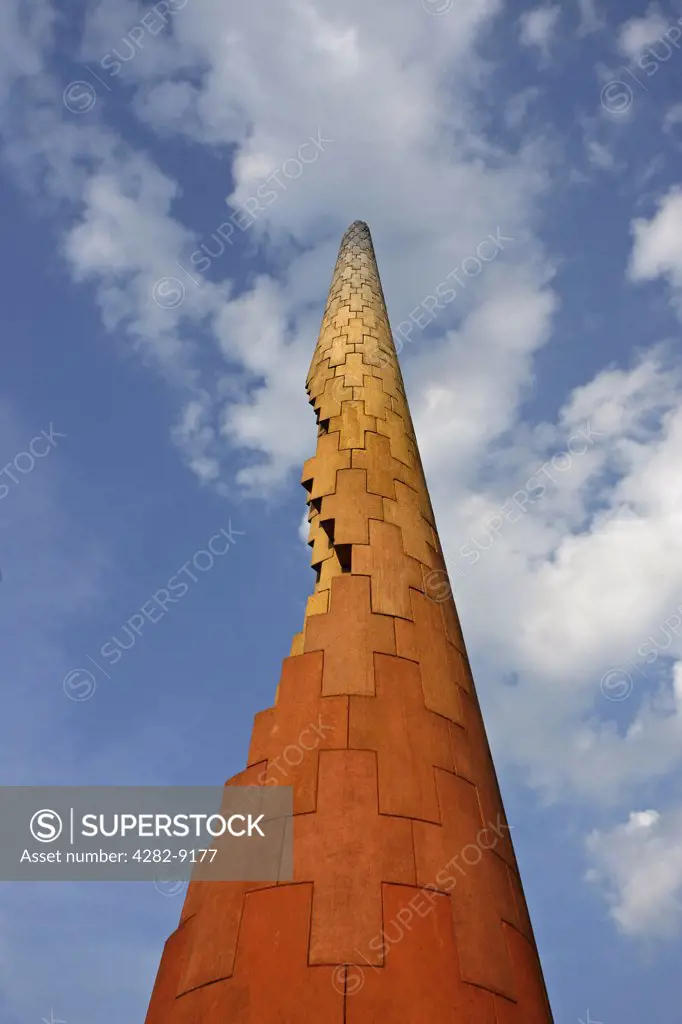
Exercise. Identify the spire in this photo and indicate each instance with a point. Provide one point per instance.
(406, 903)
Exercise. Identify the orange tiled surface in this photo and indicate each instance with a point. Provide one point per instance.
(406, 903)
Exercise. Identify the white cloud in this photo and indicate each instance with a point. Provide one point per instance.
(637, 33)
(590, 19)
(25, 34)
(459, 407)
(672, 118)
(258, 97)
(562, 594)
(601, 144)
(304, 528)
(519, 105)
(600, 156)
(657, 248)
(538, 27)
(639, 865)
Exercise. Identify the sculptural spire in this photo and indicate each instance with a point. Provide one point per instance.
(406, 903)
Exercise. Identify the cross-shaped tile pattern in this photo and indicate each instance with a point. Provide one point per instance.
(458, 856)
(409, 740)
(349, 634)
(347, 512)
(405, 512)
(391, 571)
(349, 860)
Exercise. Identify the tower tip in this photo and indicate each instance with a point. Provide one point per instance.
(357, 233)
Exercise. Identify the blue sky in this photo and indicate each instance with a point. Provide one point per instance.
(552, 372)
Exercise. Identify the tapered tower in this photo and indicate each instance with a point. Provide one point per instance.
(406, 905)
